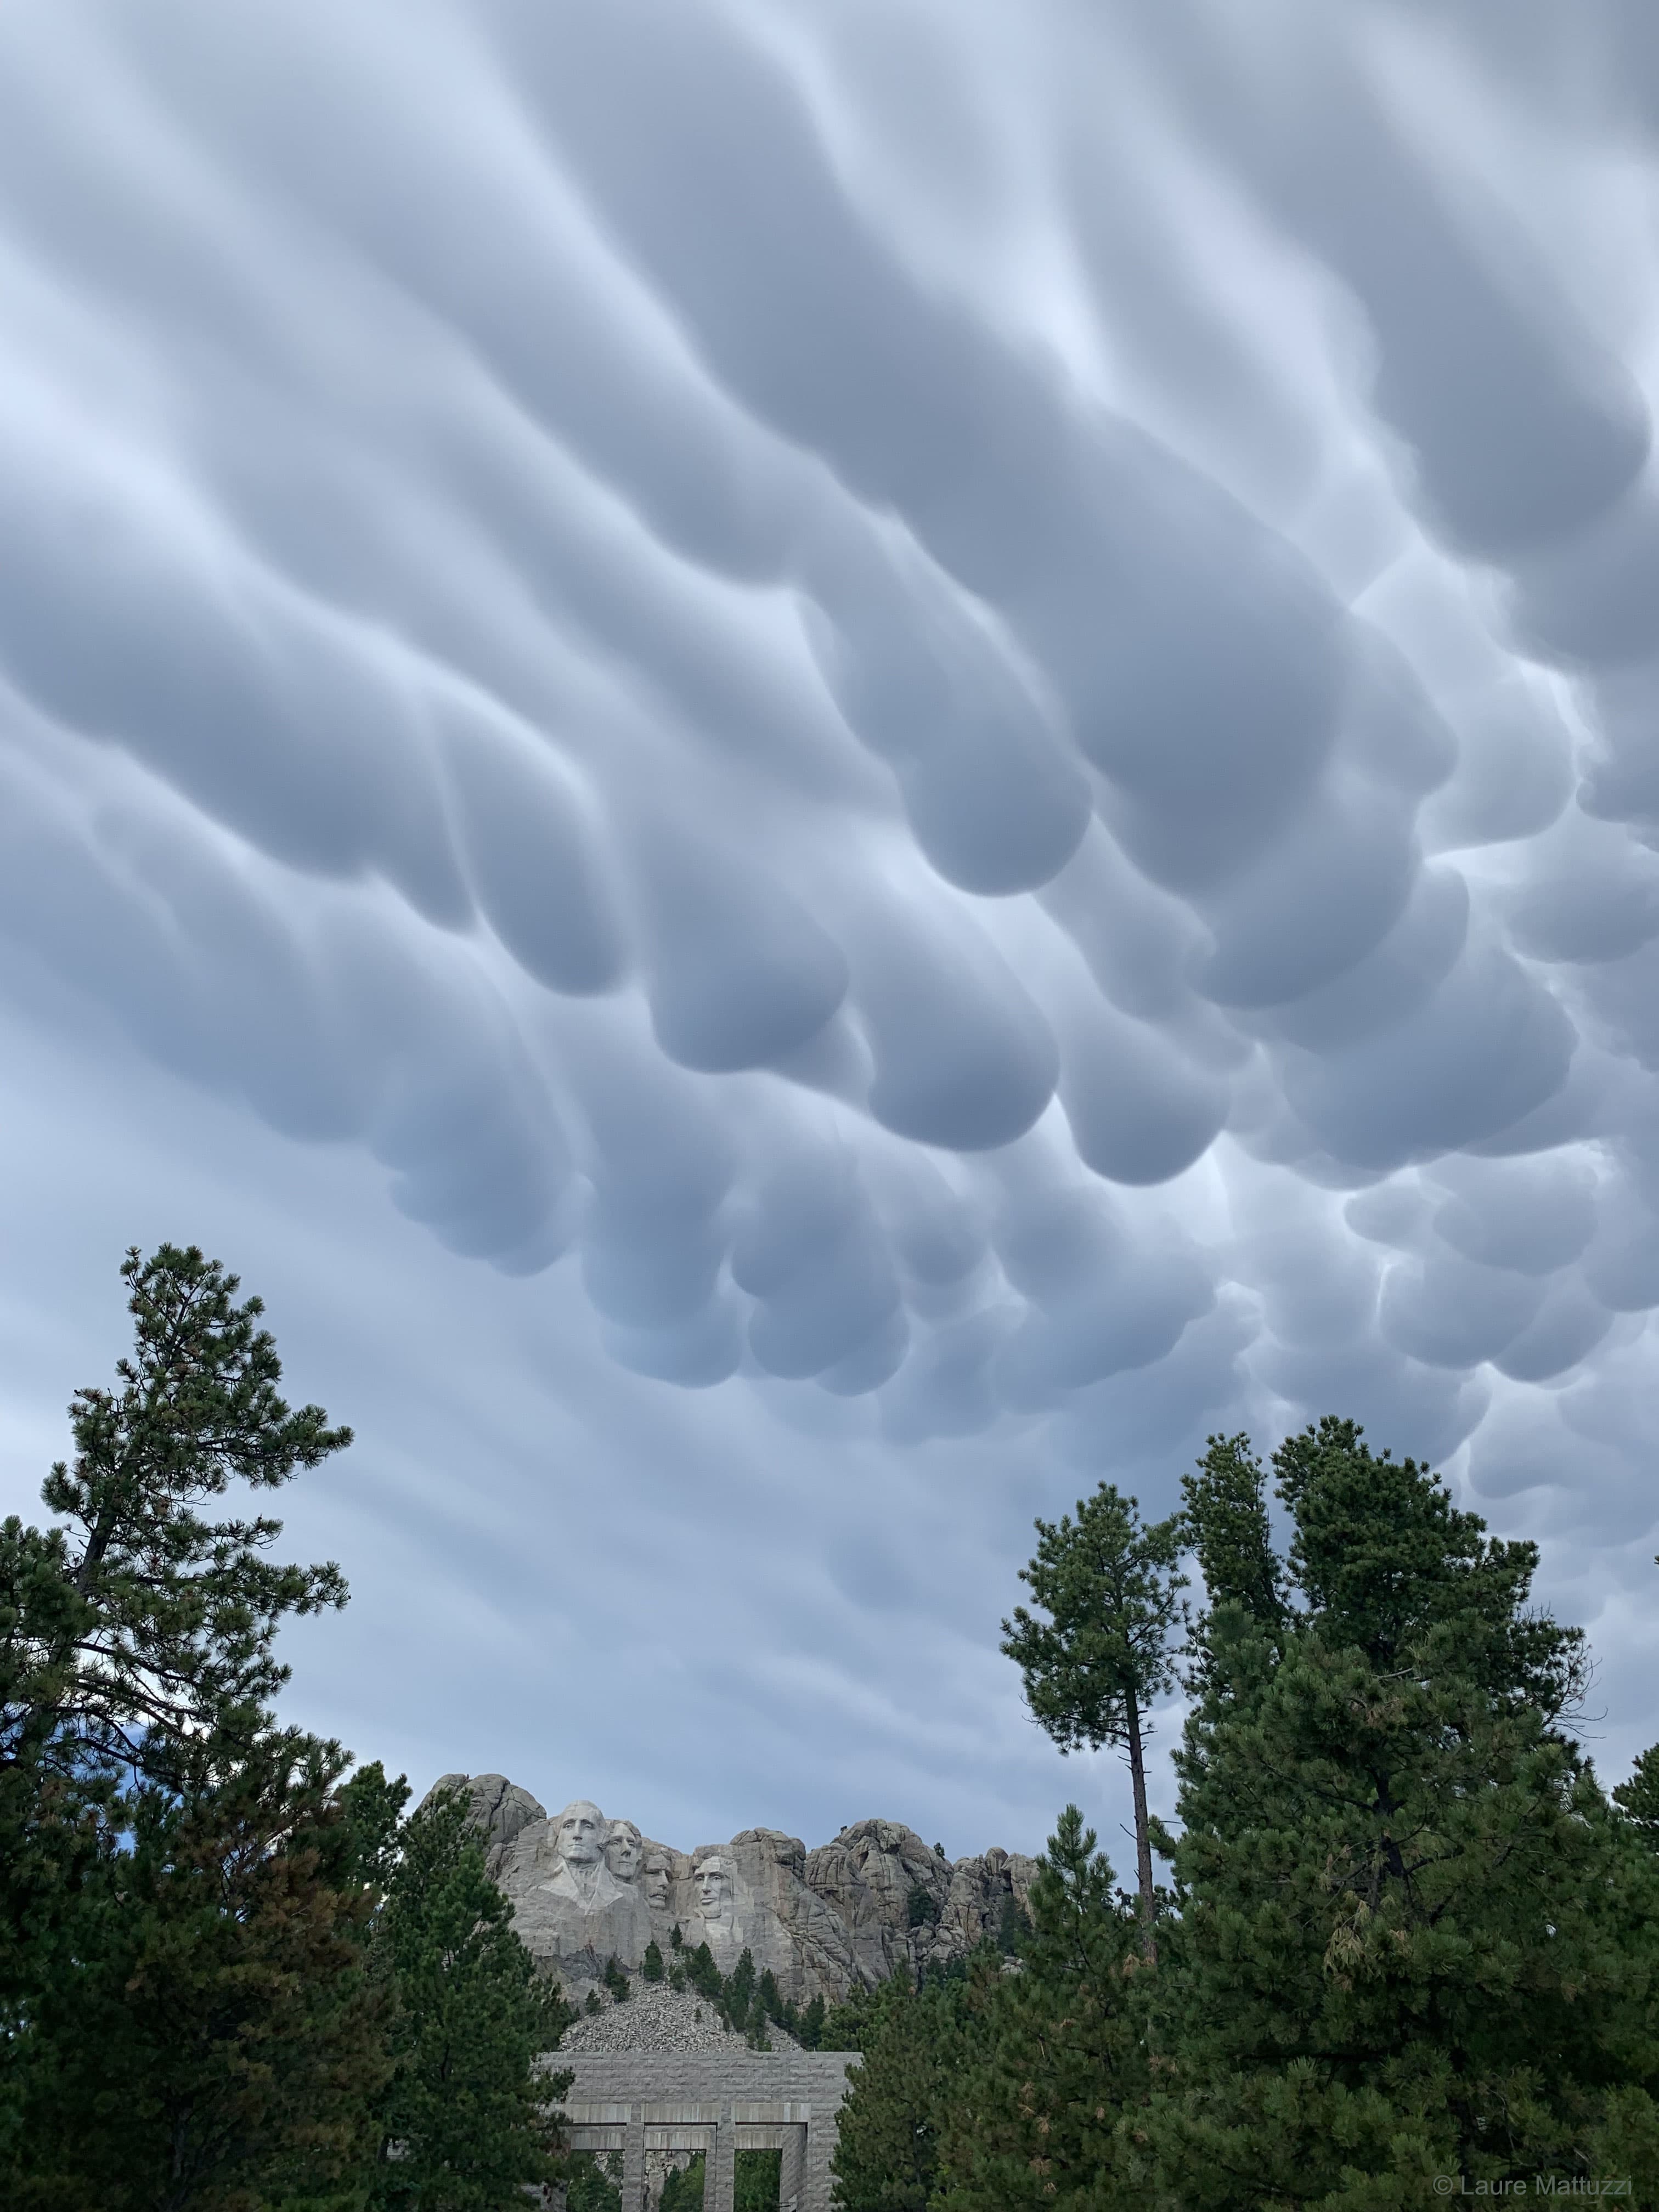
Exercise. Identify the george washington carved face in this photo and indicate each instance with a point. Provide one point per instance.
(581, 1833)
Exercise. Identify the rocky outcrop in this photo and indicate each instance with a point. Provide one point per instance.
(904, 1905)
(497, 1807)
(585, 1888)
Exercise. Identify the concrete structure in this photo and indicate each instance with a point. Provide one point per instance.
(718, 2102)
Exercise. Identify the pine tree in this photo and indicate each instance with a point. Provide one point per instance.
(139, 1626)
(703, 1974)
(1639, 1798)
(1052, 2060)
(886, 2156)
(739, 1990)
(1226, 1523)
(179, 1938)
(218, 2040)
(465, 2124)
(1094, 1666)
(758, 2179)
(682, 2191)
(592, 2183)
(1412, 1938)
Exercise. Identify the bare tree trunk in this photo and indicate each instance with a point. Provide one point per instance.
(1143, 1836)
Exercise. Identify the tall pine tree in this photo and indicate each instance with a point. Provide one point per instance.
(1093, 1669)
(183, 2016)
(1411, 1939)
(1049, 2062)
(465, 2124)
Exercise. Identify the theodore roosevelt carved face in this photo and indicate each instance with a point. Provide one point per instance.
(656, 1882)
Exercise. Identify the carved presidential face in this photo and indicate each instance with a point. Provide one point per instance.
(656, 1882)
(623, 1849)
(713, 1888)
(582, 1832)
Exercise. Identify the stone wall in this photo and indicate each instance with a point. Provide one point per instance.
(642, 2104)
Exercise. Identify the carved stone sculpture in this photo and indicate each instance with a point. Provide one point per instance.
(717, 1921)
(658, 1875)
(624, 1849)
(586, 1889)
(570, 1908)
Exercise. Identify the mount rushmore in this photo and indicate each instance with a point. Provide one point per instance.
(585, 1888)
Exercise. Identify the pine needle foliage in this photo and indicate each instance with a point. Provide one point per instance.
(465, 2123)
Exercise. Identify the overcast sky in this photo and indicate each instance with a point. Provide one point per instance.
(817, 766)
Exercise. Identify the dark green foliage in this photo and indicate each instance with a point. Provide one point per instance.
(1382, 1558)
(939, 1850)
(923, 1907)
(592, 2186)
(1014, 1928)
(683, 2191)
(591, 2002)
(614, 1980)
(1227, 1526)
(811, 2032)
(703, 1974)
(1111, 1589)
(887, 2155)
(1639, 1798)
(652, 1966)
(1050, 2060)
(739, 1990)
(676, 1937)
(848, 2024)
(183, 2014)
(1412, 1937)
(758, 2179)
(465, 2107)
(137, 1625)
(217, 2041)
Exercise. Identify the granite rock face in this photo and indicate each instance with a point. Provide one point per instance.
(585, 1888)
(498, 1808)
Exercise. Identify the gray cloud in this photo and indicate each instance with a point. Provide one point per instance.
(942, 723)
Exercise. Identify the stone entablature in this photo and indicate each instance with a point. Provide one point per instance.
(717, 2102)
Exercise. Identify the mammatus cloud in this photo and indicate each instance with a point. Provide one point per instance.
(960, 706)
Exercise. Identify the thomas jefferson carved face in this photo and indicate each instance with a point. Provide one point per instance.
(581, 1831)
(623, 1849)
(714, 1884)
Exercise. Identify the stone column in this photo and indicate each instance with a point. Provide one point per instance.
(720, 2185)
(791, 2179)
(633, 2181)
(820, 2149)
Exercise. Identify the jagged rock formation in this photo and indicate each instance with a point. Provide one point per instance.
(497, 1807)
(585, 1888)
